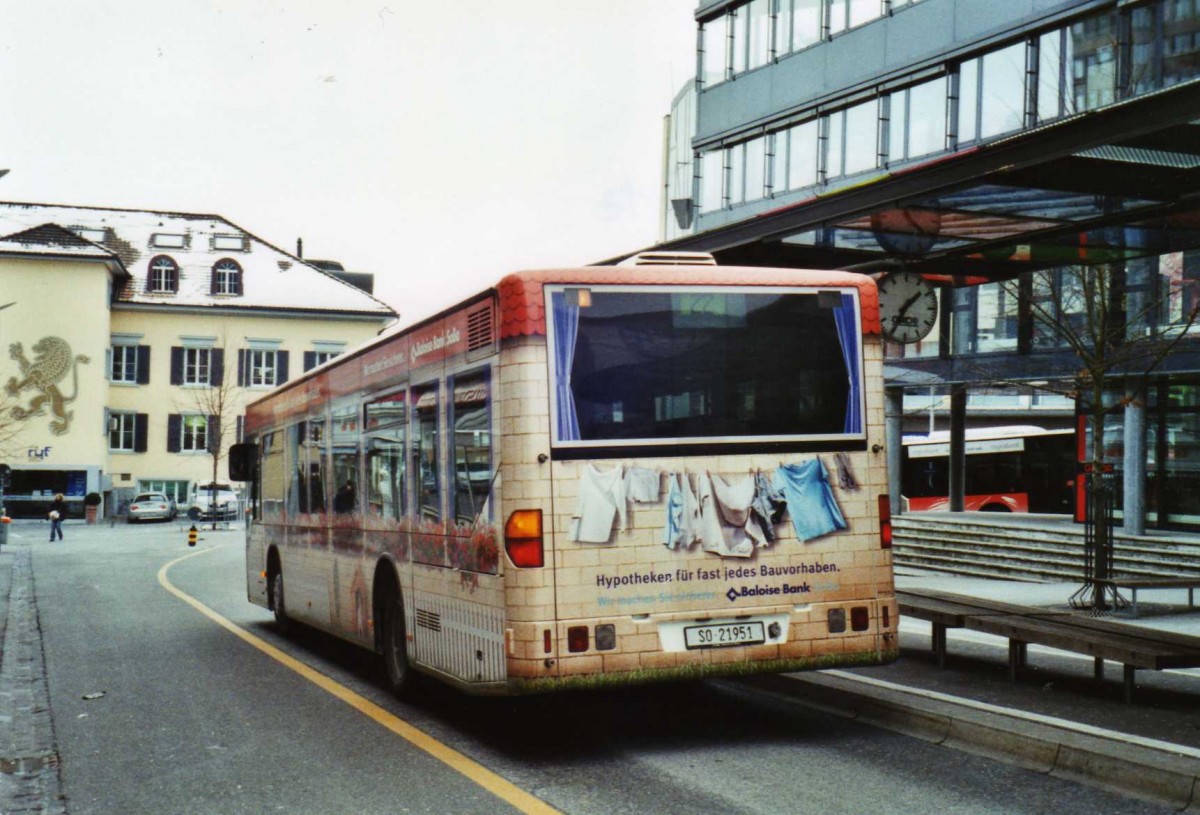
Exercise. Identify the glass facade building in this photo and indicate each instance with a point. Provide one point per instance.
(800, 102)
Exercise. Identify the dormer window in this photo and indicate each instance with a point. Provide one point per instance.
(164, 276)
(90, 234)
(227, 277)
(169, 240)
(230, 243)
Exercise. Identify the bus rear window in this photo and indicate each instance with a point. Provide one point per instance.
(637, 366)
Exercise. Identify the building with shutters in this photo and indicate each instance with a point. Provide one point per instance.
(130, 341)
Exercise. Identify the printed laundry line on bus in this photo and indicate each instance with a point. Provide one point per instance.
(726, 519)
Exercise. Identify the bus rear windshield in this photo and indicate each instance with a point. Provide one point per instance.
(664, 365)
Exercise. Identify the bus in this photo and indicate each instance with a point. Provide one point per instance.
(1016, 468)
(588, 477)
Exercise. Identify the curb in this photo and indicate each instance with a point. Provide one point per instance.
(1146, 768)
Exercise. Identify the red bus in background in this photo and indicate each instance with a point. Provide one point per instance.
(1018, 468)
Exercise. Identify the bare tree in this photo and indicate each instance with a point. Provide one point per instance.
(216, 401)
(1110, 330)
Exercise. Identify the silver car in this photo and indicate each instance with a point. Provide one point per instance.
(152, 506)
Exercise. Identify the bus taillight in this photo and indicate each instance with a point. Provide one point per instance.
(885, 522)
(523, 538)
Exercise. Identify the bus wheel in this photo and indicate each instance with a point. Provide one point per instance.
(994, 508)
(282, 623)
(395, 649)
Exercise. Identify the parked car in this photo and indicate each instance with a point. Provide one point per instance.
(152, 506)
(214, 502)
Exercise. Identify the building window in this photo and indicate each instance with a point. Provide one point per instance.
(169, 240)
(196, 366)
(129, 364)
(194, 438)
(798, 25)
(227, 277)
(712, 171)
(314, 358)
(262, 368)
(715, 38)
(991, 94)
(127, 431)
(230, 243)
(188, 432)
(796, 157)
(164, 276)
(122, 432)
(1092, 55)
(757, 14)
(917, 121)
(852, 140)
(1050, 77)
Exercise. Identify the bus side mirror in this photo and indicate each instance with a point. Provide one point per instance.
(242, 458)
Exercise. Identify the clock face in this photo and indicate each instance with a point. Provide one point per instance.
(908, 306)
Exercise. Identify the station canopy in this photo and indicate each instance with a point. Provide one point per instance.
(1107, 185)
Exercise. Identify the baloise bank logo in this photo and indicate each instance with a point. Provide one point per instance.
(766, 591)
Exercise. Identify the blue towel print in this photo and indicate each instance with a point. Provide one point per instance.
(810, 502)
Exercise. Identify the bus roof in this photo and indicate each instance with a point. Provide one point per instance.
(521, 312)
(522, 304)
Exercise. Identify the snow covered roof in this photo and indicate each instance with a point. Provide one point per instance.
(271, 278)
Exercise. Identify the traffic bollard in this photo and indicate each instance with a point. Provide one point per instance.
(4, 524)
(192, 533)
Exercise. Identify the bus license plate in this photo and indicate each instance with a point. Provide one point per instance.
(724, 634)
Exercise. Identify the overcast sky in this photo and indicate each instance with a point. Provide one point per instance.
(438, 145)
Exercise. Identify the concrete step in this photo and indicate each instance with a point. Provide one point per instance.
(1027, 550)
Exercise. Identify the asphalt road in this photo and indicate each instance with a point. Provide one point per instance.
(157, 708)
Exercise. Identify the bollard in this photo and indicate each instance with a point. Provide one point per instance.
(4, 522)
(192, 533)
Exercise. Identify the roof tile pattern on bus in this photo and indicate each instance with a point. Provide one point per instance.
(522, 304)
(270, 277)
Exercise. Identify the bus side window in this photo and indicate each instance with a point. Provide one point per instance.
(471, 451)
(425, 451)
(345, 460)
(271, 477)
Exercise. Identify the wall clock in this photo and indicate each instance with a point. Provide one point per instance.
(908, 306)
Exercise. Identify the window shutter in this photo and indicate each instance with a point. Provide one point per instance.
(107, 418)
(310, 360)
(108, 362)
(212, 280)
(175, 278)
(241, 367)
(281, 367)
(174, 430)
(141, 423)
(176, 365)
(240, 426)
(143, 364)
(216, 368)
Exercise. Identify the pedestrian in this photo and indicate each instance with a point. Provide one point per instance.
(58, 511)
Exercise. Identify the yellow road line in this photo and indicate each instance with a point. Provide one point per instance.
(493, 783)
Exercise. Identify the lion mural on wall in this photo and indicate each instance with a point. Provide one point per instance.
(51, 363)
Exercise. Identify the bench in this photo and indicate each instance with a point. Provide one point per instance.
(1134, 647)
(1134, 584)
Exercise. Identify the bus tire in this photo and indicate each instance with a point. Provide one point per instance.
(282, 624)
(394, 644)
(994, 508)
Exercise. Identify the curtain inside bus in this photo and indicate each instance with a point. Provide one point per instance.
(848, 335)
(566, 329)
